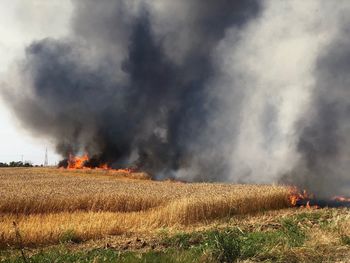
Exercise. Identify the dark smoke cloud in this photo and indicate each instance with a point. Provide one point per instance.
(241, 91)
(130, 85)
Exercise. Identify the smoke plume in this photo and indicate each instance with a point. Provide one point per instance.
(241, 91)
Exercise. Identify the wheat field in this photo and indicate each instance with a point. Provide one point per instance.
(48, 203)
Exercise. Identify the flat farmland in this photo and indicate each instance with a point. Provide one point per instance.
(46, 203)
(57, 215)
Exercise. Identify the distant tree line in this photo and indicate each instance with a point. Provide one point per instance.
(16, 164)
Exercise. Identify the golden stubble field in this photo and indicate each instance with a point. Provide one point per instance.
(48, 203)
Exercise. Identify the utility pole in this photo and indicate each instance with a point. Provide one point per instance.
(46, 162)
(22, 158)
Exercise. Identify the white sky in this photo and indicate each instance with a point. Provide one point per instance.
(21, 22)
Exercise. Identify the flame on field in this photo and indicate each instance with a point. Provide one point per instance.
(297, 196)
(307, 200)
(77, 162)
(80, 162)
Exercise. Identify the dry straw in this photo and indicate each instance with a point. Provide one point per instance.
(47, 203)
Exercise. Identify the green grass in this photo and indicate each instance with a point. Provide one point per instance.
(70, 236)
(292, 232)
(225, 245)
(345, 239)
(183, 240)
(111, 255)
(324, 219)
(231, 244)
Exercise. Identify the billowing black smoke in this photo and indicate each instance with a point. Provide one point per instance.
(251, 91)
(129, 86)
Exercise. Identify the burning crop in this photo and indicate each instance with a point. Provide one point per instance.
(85, 163)
(305, 199)
(76, 162)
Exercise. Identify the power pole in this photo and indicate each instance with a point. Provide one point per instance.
(46, 162)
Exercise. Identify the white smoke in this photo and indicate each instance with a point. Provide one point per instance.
(272, 61)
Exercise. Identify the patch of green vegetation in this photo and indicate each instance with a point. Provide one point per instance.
(111, 255)
(313, 216)
(7, 254)
(272, 245)
(323, 218)
(260, 244)
(295, 236)
(345, 239)
(183, 240)
(69, 236)
(224, 246)
(230, 244)
(169, 255)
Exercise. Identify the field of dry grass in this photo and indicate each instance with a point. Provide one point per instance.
(48, 204)
(285, 235)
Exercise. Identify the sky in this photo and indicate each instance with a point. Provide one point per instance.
(21, 22)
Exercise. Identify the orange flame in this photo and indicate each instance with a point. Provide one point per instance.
(79, 162)
(306, 198)
(296, 196)
(76, 162)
